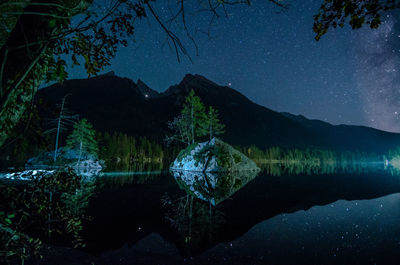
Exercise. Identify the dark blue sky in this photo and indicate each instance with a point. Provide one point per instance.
(272, 58)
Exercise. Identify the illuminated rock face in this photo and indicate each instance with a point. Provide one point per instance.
(213, 156)
(84, 164)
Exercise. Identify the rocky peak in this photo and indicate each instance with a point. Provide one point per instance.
(189, 82)
(193, 81)
(146, 90)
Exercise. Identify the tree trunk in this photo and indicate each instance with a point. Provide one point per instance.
(58, 128)
(211, 132)
(192, 120)
(80, 154)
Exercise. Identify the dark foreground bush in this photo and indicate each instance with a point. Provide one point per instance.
(49, 206)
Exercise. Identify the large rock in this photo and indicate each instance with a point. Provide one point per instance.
(67, 158)
(212, 156)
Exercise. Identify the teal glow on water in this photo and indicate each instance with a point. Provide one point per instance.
(127, 173)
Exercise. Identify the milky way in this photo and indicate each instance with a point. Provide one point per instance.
(377, 75)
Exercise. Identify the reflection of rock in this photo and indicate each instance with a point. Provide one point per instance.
(213, 187)
(195, 221)
(211, 156)
(88, 165)
(87, 171)
(28, 174)
(39, 173)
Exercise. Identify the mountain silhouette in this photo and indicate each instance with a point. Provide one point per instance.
(116, 104)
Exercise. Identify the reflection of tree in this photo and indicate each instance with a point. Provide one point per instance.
(300, 167)
(213, 187)
(278, 160)
(392, 161)
(120, 179)
(196, 221)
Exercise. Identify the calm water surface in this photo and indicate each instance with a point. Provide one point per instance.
(288, 219)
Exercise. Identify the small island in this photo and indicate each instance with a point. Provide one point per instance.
(214, 155)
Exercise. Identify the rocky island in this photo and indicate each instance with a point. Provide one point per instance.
(212, 156)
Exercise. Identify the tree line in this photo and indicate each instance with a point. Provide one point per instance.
(123, 152)
(312, 155)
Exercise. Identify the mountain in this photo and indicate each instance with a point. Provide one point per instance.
(146, 90)
(112, 103)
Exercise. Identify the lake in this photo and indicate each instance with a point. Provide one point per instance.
(282, 219)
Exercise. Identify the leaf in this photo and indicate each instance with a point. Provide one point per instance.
(52, 23)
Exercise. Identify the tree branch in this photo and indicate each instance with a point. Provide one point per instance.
(2, 70)
(175, 40)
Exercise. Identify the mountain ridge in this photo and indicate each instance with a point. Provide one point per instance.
(114, 103)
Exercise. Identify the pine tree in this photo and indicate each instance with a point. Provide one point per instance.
(190, 123)
(83, 139)
(212, 126)
(194, 110)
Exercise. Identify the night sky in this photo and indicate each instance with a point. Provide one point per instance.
(348, 77)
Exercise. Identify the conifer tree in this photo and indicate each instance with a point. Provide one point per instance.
(83, 139)
(213, 125)
(191, 123)
(194, 110)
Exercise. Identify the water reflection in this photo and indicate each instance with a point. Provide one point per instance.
(128, 208)
(137, 167)
(295, 168)
(196, 222)
(195, 216)
(120, 179)
(87, 172)
(213, 187)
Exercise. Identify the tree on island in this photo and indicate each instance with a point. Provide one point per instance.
(83, 139)
(181, 130)
(213, 126)
(193, 122)
(195, 114)
(190, 123)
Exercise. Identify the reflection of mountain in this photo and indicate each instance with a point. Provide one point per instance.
(129, 213)
(112, 103)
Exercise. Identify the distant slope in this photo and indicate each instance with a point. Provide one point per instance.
(113, 103)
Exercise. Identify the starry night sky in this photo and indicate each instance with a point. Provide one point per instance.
(348, 77)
